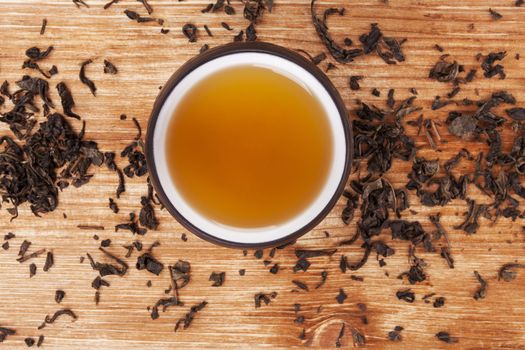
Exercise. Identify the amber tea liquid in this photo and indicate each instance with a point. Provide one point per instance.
(248, 147)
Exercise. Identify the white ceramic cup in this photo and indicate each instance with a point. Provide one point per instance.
(282, 61)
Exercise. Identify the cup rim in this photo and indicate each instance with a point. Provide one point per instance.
(234, 48)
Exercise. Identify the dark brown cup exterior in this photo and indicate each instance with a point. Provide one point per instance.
(224, 50)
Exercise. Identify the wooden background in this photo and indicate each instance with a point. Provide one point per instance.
(145, 59)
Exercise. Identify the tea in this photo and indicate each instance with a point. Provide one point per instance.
(249, 147)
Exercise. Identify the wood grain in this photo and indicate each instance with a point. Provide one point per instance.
(145, 59)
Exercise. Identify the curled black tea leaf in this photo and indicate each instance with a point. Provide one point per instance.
(208, 8)
(354, 82)
(190, 31)
(40, 340)
(446, 337)
(147, 6)
(204, 48)
(50, 261)
(109, 68)
(35, 54)
(229, 10)
(147, 216)
(66, 100)
(506, 272)
(135, 16)
(107, 5)
(134, 153)
(490, 68)
(251, 33)
(79, 3)
(300, 284)
(105, 269)
(43, 27)
(63, 312)
(253, 9)
(371, 40)
(5, 332)
(444, 71)
(98, 282)
(35, 86)
(226, 26)
(517, 113)
(148, 262)
(33, 255)
(85, 80)
(188, 318)
(415, 274)
(340, 336)
(302, 253)
(406, 295)
(208, 31)
(165, 303)
(24, 247)
(113, 206)
(482, 290)
(338, 53)
(495, 15)
(264, 298)
(395, 335)
(217, 278)
(439, 302)
(324, 276)
(239, 37)
(32, 270)
(180, 274)
(341, 297)
(59, 296)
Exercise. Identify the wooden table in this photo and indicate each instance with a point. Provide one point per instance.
(145, 60)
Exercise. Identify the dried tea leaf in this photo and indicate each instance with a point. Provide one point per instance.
(439, 302)
(446, 337)
(517, 113)
(50, 261)
(105, 269)
(43, 27)
(135, 16)
(32, 270)
(300, 284)
(506, 272)
(354, 82)
(190, 31)
(59, 296)
(481, 293)
(148, 262)
(341, 297)
(85, 80)
(109, 68)
(5, 332)
(338, 53)
(490, 68)
(340, 336)
(63, 312)
(217, 278)
(495, 15)
(305, 254)
(67, 100)
(406, 295)
(188, 318)
(263, 298)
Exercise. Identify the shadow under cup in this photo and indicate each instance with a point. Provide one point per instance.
(289, 64)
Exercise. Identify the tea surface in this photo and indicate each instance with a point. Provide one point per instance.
(249, 147)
